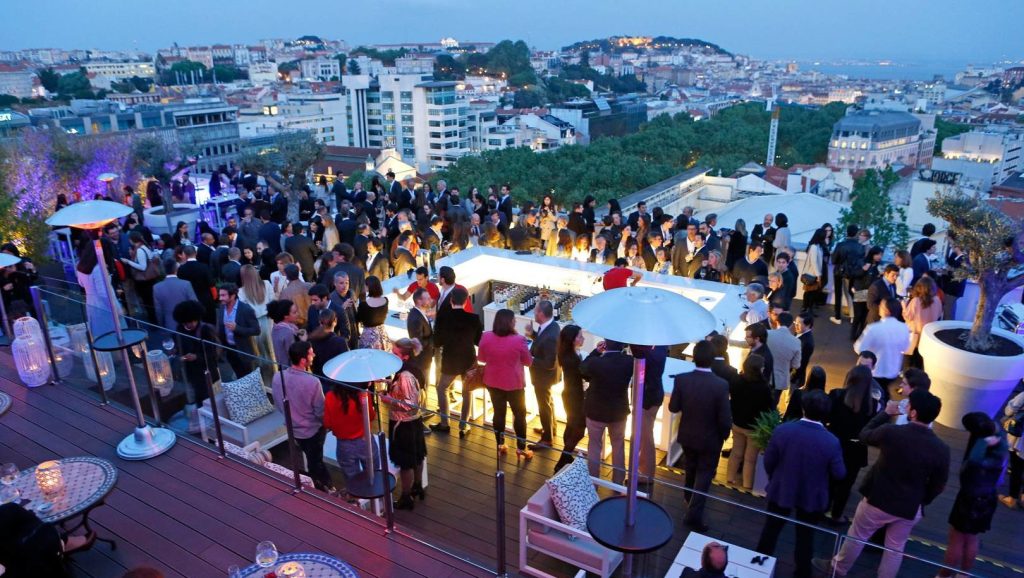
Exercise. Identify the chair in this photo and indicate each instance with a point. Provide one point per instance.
(269, 430)
(541, 530)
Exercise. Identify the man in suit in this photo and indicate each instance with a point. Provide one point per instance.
(763, 235)
(801, 459)
(785, 348)
(302, 249)
(606, 407)
(393, 187)
(634, 218)
(601, 253)
(847, 252)
(407, 195)
(199, 275)
(339, 190)
(457, 331)
(881, 290)
(248, 230)
(343, 297)
(278, 207)
(168, 293)
(704, 397)
(237, 328)
(505, 203)
(720, 364)
(206, 247)
(376, 261)
(804, 329)
(360, 243)
(405, 261)
(653, 397)
(544, 370)
(219, 257)
(418, 326)
(684, 244)
(231, 272)
(270, 232)
(319, 301)
(910, 472)
(649, 251)
(757, 339)
(525, 236)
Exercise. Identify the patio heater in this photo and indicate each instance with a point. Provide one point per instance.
(365, 366)
(641, 317)
(108, 179)
(145, 442)
(6, 260)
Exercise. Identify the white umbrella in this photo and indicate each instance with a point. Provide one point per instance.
(88, 214)
(361, 365)
(640, 316)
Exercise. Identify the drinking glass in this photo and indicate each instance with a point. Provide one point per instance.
(9, 494)
(8, 474)
(234, 572)
(266, 554)
(168, 344)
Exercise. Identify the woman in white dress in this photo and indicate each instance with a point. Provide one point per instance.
(257, 293)
(90, 277)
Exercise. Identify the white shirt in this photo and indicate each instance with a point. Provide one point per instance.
(888, 338)
(757, 311)
(543, 326)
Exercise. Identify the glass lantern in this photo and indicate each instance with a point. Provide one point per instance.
(106, 363)
(28, 326)
(291, 570)
(79, 336)
(30, 360)
(49, 478)
(65, 360)
(160, 372)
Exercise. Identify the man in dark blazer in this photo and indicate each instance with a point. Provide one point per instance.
(343, 296)
(360, 244)
(525, 236)
(602, 253)
(278, 208)
(544, 370)
(704, 427)
(339, 190)
(405, 261)
(270, 232)
(237, 329)
(649, 251)
(505, 202)
(910, 472)
(881, 290)
(684, 239)
(376, 261)
(302, 248)
(201, 278)
(720, 364)
(231, 272)
(457, 331)
(319, 300)
(801, 459)
(168, 293)
(204, 251)
(418, 327)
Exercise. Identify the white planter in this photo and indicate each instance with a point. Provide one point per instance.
(968, 381)
(183, 212)
(760, 488)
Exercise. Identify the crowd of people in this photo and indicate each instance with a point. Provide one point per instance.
(301, 292)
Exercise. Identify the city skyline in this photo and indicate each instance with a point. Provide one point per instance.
(919, 32)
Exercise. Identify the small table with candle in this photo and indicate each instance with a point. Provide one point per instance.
(312, 566)
(66, 489)
(5, 403)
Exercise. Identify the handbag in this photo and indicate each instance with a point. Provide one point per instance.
(154, 269)
(811, 282)
(860, 296)
(474, 377)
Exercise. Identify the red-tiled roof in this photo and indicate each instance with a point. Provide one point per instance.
(1013, 208)
(776, 176)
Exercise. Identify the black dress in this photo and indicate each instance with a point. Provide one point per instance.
(572, 391)
(979, 478)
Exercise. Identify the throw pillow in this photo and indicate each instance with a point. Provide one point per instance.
(245, 399)
(573, 494)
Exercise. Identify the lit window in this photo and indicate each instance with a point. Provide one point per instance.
(843, 145)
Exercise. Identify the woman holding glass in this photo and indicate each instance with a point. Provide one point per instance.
(407, 448)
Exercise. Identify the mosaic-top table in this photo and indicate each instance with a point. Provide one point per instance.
(316, 566)
(87, 482)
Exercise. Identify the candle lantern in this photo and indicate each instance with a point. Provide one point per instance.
(291, 570)
(106, 363)
(160, 371)
(30, 360)
(28, 326)
(65, 359)
(49, 478)
(79, 337)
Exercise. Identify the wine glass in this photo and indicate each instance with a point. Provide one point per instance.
(266, 554)
(9, 494)
(168, 344)
(8, 474)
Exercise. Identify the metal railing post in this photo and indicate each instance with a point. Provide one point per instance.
(44, 325)
(389, 504)
(213, 400)
(499, 494)
(292, 444)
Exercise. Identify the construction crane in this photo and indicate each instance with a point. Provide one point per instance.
(773, 131)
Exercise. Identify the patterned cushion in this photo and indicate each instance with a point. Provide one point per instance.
(245, 399)
(573, 494)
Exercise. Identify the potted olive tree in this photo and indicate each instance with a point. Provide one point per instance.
(764, 427)
(973, 366)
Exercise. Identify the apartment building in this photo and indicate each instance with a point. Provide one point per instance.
(984, 158)
(875, 139)
(324, 115)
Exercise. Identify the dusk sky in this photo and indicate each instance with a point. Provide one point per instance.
(906, 30)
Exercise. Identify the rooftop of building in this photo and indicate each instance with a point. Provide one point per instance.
(872, 120)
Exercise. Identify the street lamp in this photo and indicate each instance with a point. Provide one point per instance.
(654, 317)
(146, 442)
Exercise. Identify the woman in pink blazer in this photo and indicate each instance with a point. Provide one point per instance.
(506, 356)
(924, 308)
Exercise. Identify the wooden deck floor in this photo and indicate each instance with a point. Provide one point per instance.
(188, 513)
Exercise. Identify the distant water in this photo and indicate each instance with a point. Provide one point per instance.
(895, 71)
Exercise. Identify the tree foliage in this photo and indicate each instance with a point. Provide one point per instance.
(290, 158)
(387, 57)
(945, 129)
(872, 208)
(49, 79)
(612, 167)
(994, 245)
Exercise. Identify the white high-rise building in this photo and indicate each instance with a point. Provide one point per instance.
(984, 158)
(324, 115)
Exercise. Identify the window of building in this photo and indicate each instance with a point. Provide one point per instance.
(406, 96)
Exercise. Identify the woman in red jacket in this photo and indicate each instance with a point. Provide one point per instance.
(343, 417)
(506, 354)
